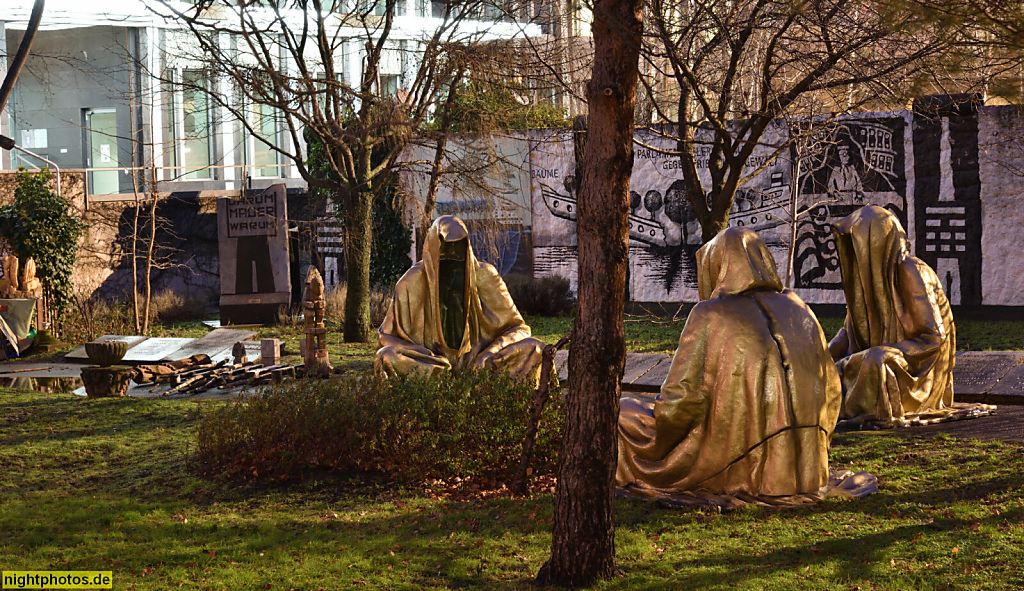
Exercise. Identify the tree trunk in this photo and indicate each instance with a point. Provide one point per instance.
(358, 240)
(135, 266)
(583, 541)
(147, 279)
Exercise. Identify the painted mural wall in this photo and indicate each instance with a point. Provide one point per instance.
(849, 163)
(955, 181)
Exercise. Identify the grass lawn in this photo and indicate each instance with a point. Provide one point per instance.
(109, 485)
(652, 334)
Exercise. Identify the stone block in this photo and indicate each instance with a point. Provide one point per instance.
(270, 351)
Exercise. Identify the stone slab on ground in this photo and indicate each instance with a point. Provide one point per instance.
(978, 372)
(1007, 424)
(155, 349)
(992, 377)
(653, 379)
(79, 354)
(253, 351)
(147, 391)
(562, 365)
(1009, 389)
(214, 343)
(39, 369)
(638, 365)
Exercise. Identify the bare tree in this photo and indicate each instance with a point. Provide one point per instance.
(583, 541)
(725, 71)
(287, 55)
(14, 69)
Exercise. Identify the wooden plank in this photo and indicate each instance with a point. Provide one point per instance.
(214, 343)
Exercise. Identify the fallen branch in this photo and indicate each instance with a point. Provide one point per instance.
(26, 369)
(520, 484)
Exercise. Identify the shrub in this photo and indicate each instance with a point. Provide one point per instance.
(462, 424)
(170, 306)
(91, 317)
(380, 301)
(541, 296)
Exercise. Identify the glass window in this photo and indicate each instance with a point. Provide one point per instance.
(195, 125)
(264, 158)
(388, 84)
(170, 136)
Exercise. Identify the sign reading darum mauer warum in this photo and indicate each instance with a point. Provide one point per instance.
(253, 216)
(254, 274)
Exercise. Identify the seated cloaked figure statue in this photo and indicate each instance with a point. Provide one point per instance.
(452, 311)
(895, 352)
(752, 396)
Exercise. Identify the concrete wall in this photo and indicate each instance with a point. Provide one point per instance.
(187, 238)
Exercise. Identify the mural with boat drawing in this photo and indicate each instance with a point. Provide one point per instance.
(953, 178)
(848, 164)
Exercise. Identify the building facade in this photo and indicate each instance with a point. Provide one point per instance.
(118, 90)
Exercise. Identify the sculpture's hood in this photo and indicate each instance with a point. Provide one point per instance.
(449, 228)
(871, 245)
(734, 262)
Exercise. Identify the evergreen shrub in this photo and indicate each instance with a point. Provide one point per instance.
(413, 428)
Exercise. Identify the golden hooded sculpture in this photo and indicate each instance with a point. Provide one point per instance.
(896, 350)
(452, 311)
(752, 396)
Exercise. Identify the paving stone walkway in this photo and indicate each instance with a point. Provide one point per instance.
(992, 377)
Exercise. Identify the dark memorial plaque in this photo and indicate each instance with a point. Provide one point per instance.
(254, 273)
(1009, 389)
(977, 372)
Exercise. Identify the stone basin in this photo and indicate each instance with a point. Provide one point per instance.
(106, 353)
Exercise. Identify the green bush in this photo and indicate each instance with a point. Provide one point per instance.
(541, 296)
(40, 224)
(459, 424)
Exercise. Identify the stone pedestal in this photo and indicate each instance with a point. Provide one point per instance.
(104, 382)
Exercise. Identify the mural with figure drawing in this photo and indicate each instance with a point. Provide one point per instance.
(954, 178)
(848, 164)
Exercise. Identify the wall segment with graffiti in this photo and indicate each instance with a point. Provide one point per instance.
(943, 176)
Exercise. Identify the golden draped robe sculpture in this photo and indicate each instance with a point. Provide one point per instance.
(752, 396)
(452, 311)
(895, 352)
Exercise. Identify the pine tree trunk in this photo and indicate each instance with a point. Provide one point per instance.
(583, 541)
(358, 241)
